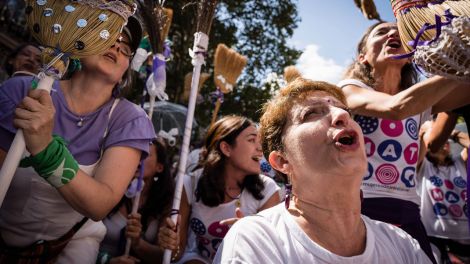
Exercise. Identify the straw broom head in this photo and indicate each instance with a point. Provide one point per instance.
(75, 28)
(412, 15)
(167, 18)
(187, 83)
(205, 14)
(228, 65)
(291, 73)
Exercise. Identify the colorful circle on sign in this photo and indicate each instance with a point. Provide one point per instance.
(411, 153)
(449, 184)
(391, 128)
(411, 127)
(389, 150)
(455, 210)
(370, 171)
(408, 177)
(369, 146)
(460, 182)
(437, 194)
(387, 174)
(463, 195)
(436, 181)
(203, 240)
(452, 197)
(440, 209)
(465, 210)
(198, 226)
(218, 230)
(368, 124)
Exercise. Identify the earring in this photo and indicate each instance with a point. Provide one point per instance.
(155, 179)
(288, 187)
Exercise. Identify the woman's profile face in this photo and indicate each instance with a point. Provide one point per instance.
(322, 139)
(245, 153)
(382, 44)
(28, 59)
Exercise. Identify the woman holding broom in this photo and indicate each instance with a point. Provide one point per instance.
(227, 186)
(390, 106)
(50, 207)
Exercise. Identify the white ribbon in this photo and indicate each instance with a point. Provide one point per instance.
(201, 41)
(139, 58)
(227, 85)
(169, 136)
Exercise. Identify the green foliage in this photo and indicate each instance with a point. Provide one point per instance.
(258, 29)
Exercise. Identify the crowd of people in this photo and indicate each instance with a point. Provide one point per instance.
(368, 173)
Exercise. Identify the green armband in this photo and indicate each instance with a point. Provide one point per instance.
(55, 163)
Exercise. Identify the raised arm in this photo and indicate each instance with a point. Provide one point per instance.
(442, 93)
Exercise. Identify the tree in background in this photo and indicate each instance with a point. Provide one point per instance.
(258, 29)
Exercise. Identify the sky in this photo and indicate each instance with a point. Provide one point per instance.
(328, 33)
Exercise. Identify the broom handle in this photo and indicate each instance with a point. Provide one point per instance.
(135, 206)
(151, 105)
(216, 110)
(197, 61)
(17, 148)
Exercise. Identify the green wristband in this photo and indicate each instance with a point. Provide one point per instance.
(55, 163)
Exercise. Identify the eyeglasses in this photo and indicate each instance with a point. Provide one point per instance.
(123, 47)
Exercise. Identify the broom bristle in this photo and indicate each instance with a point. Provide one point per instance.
(150, 15)
(228, 64)
(369, 10)
(291, 73)
(410, 22)
(187, 83)
(205, 14)
(75, 28)
(168, 17)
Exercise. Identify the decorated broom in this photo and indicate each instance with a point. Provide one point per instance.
(228, 65)
(291, 73)
(66, 29)
(436, 33)
(187, 83)
(205, 13)
(157, 20)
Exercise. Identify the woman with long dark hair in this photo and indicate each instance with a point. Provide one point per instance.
(390, 105)
(155, 205)
(224, 187)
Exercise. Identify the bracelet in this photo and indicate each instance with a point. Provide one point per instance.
(55, 163)
(177, 252)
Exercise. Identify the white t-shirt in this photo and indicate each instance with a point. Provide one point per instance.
(392, 149)
(273, 236)
(443, 194)
(205, 232)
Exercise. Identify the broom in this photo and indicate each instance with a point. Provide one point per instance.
(228, 65)
(187, 83)
(158, 21)
(436, 34)
(205, 13)
(291, 73)
(67, 29)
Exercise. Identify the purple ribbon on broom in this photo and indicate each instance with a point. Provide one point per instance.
(438, 27)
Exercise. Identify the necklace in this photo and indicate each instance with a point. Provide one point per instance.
(237, 198)
(71, 105)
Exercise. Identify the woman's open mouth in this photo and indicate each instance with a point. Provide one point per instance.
(346, 140)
